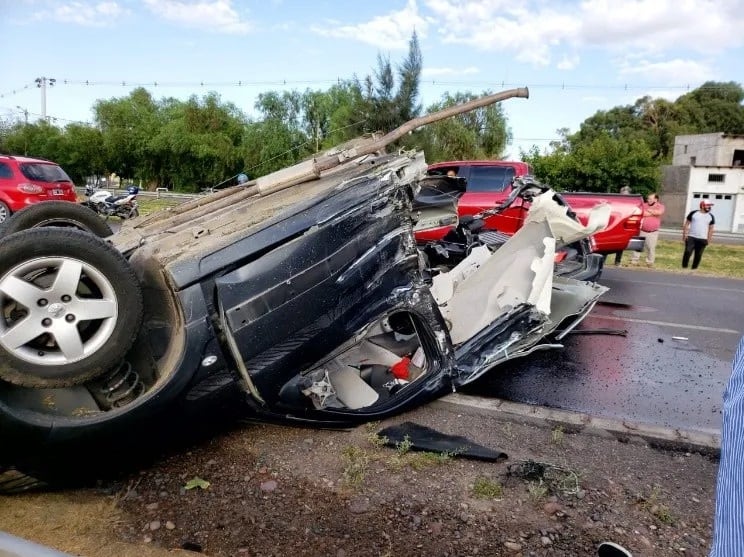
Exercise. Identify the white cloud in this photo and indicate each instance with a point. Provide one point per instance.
(659, 25)
(568, 62)
(437, 72)
(528, 32)
(390, 32)
(89, 14)
(210, 15)
(669, 71)
(532, 30)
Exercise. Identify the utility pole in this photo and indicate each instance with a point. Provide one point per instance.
(25, 129)
(41, 83)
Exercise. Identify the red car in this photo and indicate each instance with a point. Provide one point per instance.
(25, 181)
(489, 183)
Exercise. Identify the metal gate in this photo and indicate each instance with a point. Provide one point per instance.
(723, 208)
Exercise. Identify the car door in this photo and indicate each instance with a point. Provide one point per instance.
(487, 187)
(319, 321)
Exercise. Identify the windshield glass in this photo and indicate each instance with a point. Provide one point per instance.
(490, 178)
(42, 172)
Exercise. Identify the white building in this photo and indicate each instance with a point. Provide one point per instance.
(707, 166)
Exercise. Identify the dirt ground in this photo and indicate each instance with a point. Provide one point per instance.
(264, 490)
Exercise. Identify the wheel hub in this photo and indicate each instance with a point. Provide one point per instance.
(56, 310)
(59, 326)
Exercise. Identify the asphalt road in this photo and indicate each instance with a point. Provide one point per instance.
(729, 238)
(647, 376)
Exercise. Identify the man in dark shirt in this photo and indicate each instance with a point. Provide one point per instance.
(697, 233)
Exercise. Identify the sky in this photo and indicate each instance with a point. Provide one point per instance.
(576, 57)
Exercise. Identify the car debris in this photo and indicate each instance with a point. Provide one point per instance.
(417, 437)
(300, 297)
(601, 331)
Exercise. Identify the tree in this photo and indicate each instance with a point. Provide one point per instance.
(39, 139)
(604, 164)
(714, 107)
(197, 145)
(409, 74)
(479, 134)
(127, 125)
(271, 145)
(285, 106)
(385, 108)
(345, 119)
(83, 154)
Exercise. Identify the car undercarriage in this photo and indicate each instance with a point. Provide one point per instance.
(309, 303)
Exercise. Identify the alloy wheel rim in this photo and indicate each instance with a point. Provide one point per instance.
(55, 310)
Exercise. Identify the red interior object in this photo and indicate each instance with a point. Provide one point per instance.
(400, 369)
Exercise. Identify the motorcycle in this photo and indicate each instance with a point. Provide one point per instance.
(107, 205)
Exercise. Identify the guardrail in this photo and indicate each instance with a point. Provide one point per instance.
(158, 193)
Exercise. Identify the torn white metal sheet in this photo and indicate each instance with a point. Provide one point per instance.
(563, 228)
(487, 285)
(519, 272)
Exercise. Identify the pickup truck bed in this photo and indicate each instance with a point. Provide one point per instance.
(489, 183)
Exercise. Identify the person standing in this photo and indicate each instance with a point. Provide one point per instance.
(653, 209)
(697, 232)
(728, 528)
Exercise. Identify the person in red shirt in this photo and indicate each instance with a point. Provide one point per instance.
(652, 211)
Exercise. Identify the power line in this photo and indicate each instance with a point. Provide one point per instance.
(18, 110)
(16, 90)
(338, 80)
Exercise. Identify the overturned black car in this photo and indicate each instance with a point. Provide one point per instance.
(302, 297)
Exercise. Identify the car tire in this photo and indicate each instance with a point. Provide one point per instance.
(13, 481)
(4, 212)
(56, 213)
(70, 307)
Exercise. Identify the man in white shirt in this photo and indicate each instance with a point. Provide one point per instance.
(697, 233)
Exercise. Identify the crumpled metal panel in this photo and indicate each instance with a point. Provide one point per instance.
(502, 305)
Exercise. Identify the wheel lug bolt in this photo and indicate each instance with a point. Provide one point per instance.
(46, 322)
(42, 302)
(66, 298)
(69, 318)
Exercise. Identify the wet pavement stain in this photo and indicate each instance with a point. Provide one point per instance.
(645, 377)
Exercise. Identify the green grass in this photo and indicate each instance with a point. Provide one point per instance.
(557, 435)
(148, 205)
(718, 259)
(402, 447)
(537, 490)
(655, 507)
(356, 464)
(423, 460)
(484, 488)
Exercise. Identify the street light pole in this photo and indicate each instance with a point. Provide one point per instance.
(41, 83)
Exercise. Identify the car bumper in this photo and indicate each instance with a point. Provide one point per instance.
(636, 243)
(34, 199)
(590, 269)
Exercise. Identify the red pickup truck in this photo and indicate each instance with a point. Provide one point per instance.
(489, 183)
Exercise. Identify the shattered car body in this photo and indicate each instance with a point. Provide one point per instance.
(311, 304)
